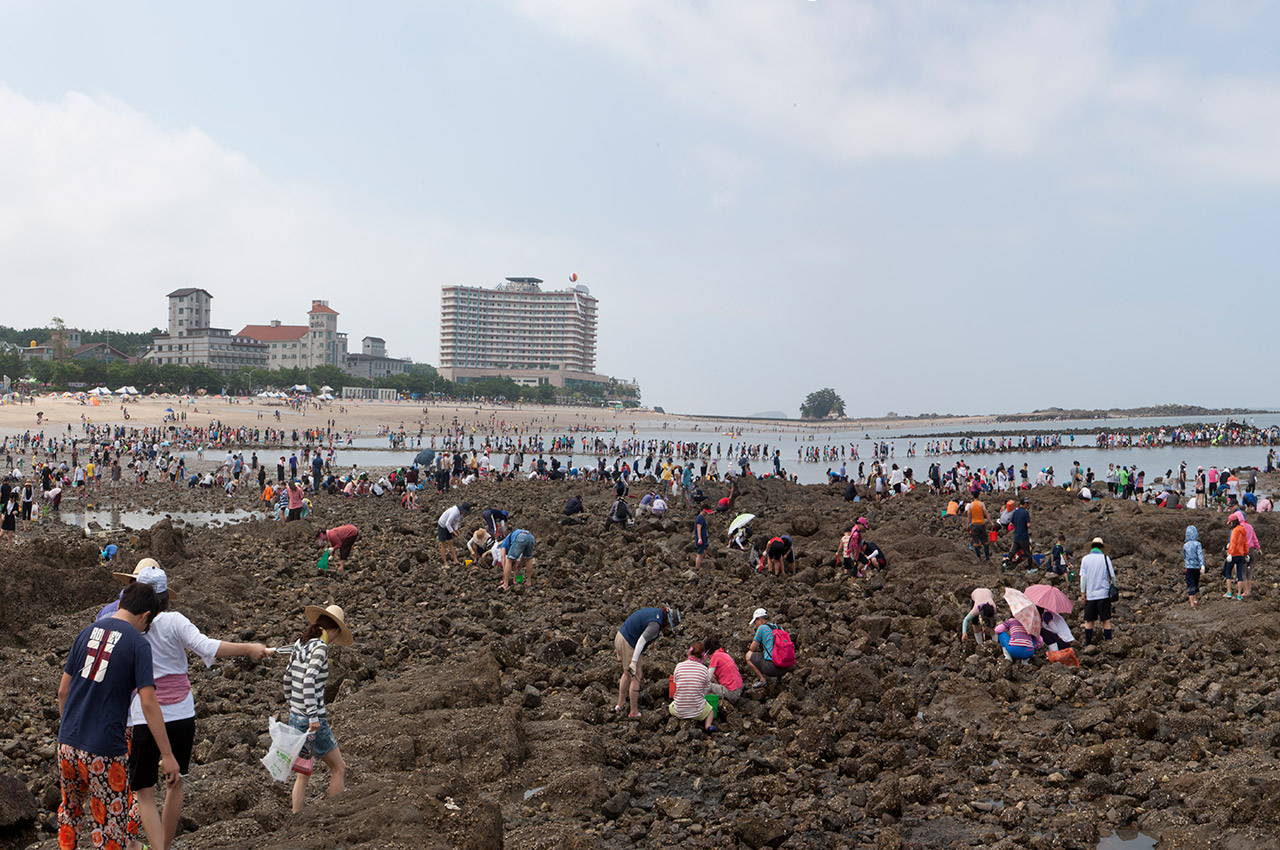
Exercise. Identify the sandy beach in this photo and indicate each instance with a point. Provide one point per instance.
(366, 417)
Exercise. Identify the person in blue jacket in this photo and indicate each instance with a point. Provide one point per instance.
(1193, 562)
(639, 631)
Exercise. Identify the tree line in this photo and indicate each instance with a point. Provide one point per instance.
(421, 380)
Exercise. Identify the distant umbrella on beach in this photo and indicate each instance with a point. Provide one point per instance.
(739, 521)
(426, 457)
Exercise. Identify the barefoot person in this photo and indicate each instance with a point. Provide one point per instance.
(304, 682)
(447, 527)
(171, 636)
(517, 554)
(638, 631)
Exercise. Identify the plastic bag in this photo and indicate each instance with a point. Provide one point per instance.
(286, 743)
(1064, 656)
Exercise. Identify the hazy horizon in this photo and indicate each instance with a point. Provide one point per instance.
(926, 208)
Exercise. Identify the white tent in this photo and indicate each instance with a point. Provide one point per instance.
(99, 391)
(326, 389)
(301, 388)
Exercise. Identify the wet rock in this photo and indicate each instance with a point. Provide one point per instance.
(18, 806)
(532, 697)
(757, 832)
(616, 805)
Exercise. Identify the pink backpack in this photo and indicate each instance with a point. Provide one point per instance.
(784, 651)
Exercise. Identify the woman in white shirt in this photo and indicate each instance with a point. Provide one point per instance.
(171, 635)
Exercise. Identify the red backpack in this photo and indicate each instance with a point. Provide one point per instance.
(784, 651)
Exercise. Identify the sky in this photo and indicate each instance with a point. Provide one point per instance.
(961, 207)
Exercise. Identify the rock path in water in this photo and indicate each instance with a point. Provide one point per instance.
(475, 719)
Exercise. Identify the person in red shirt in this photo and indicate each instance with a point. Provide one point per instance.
(341, 539)
(726, 681)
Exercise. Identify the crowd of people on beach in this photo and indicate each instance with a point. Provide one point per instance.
(145, 686)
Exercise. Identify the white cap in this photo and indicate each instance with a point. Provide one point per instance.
(155, 577)
(760, 612)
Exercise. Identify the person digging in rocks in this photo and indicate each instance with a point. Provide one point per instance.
(340, 540)
(637, 632)
(447, 527)
(984, 609)
(516, 550)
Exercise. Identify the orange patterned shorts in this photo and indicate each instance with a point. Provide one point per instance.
(102, 782)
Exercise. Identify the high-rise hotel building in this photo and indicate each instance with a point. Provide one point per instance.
(517, 330)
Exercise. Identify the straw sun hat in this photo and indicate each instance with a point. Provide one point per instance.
(333, 612)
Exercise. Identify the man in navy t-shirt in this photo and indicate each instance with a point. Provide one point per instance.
(108, 662)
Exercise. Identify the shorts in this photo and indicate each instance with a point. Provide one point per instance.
(1193, 582)
(294, 513)
(700, 548)
(144, 755)
(766, 667)
(1240, 562)
(978, 534)
(322, 742)
(103, 783)
(706, 711)
(625, 652)
(443, 534)
(521, 546)
(1097, 609)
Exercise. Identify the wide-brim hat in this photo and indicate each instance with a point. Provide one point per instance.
(333, 612)
(130, 578)
(1097, 543)
(149, 571)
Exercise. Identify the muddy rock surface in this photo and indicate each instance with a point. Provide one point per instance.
(472, 718)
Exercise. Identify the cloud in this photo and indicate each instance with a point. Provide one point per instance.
(853, 81)
(103, 211)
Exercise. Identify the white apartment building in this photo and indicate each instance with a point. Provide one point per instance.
(516, 330)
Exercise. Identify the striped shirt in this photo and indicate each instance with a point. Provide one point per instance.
(1018, 634)
(305, 678)
(692, 680)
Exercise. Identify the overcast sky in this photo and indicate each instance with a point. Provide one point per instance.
(951, 207)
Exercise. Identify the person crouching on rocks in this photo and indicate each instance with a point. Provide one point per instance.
(692, 681)
(477, 545)
(726, 681)
(764, 656)
(638, 631)
(1018, 643)
(304, 682)
(984, 608)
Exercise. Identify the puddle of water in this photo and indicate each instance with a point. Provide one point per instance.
(1127, 839)
(532, 791)
(109, 519)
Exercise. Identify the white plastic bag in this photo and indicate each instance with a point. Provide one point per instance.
(286, 743)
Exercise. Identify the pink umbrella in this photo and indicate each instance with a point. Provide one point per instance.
(1049, 598)
(1024, 610)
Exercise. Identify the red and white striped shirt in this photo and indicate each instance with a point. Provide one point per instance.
(692, 680)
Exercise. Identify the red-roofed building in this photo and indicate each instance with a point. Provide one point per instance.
(317, 343)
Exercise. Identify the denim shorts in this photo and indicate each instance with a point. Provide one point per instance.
(322, 742)
(521, 546)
